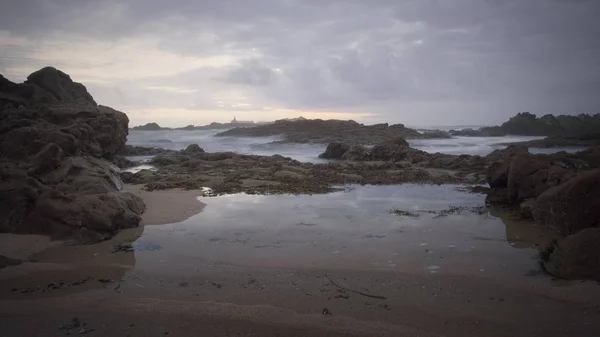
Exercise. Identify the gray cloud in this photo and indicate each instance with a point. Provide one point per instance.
(415, 61)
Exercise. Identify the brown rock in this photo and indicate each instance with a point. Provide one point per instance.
(55, 169)
(60, 86)
(334, 151)
(575, 257)
(497, 174)
(508, 152)
(572, 206)
(530, 175)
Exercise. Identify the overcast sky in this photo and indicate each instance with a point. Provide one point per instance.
(418, 62)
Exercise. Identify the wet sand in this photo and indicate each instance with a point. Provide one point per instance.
(167, 206)
(269, 266)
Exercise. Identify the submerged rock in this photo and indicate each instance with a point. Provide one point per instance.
(56, 173)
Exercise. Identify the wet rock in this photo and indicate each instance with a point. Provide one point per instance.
(60, 86)
(590, 156)
(289, 175)
(193, 149)
(123, 162)
(508, 153)
(357, 153)
(530, 175)
(497, 174)
(575, 257)
(334, 151)
(56, 172)
(572, 206)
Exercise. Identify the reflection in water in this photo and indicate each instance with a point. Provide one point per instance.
(354, 229)
(64, 270)
(521, 233)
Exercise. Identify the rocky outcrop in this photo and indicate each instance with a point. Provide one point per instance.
(149, 127)
(572, 206)
(582, 140)
(575, 257)
(193, 149)
(228, 172)
(530, 175)
(566, 130)
(57, 175)
(326, 131)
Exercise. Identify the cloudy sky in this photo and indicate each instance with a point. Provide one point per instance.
(419, 62)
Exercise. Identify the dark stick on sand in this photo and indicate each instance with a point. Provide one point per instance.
(356, 291)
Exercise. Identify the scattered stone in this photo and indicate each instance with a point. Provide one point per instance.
(217, 285)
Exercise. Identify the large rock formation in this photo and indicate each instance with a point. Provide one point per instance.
(561, 191)
(530, 175)
(572, 206)
(56, 148)
(326, 131)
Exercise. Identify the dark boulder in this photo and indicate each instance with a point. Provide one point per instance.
(530, 175)
(575, 257)
(193, 149)
(497, 174)
(397, 141)
(60, 86)
(572, 206)
(357, 153)
(507, 153)
(334, 151)
(56, 174)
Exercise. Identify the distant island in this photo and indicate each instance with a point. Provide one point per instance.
(562, 130)
(212, 126)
